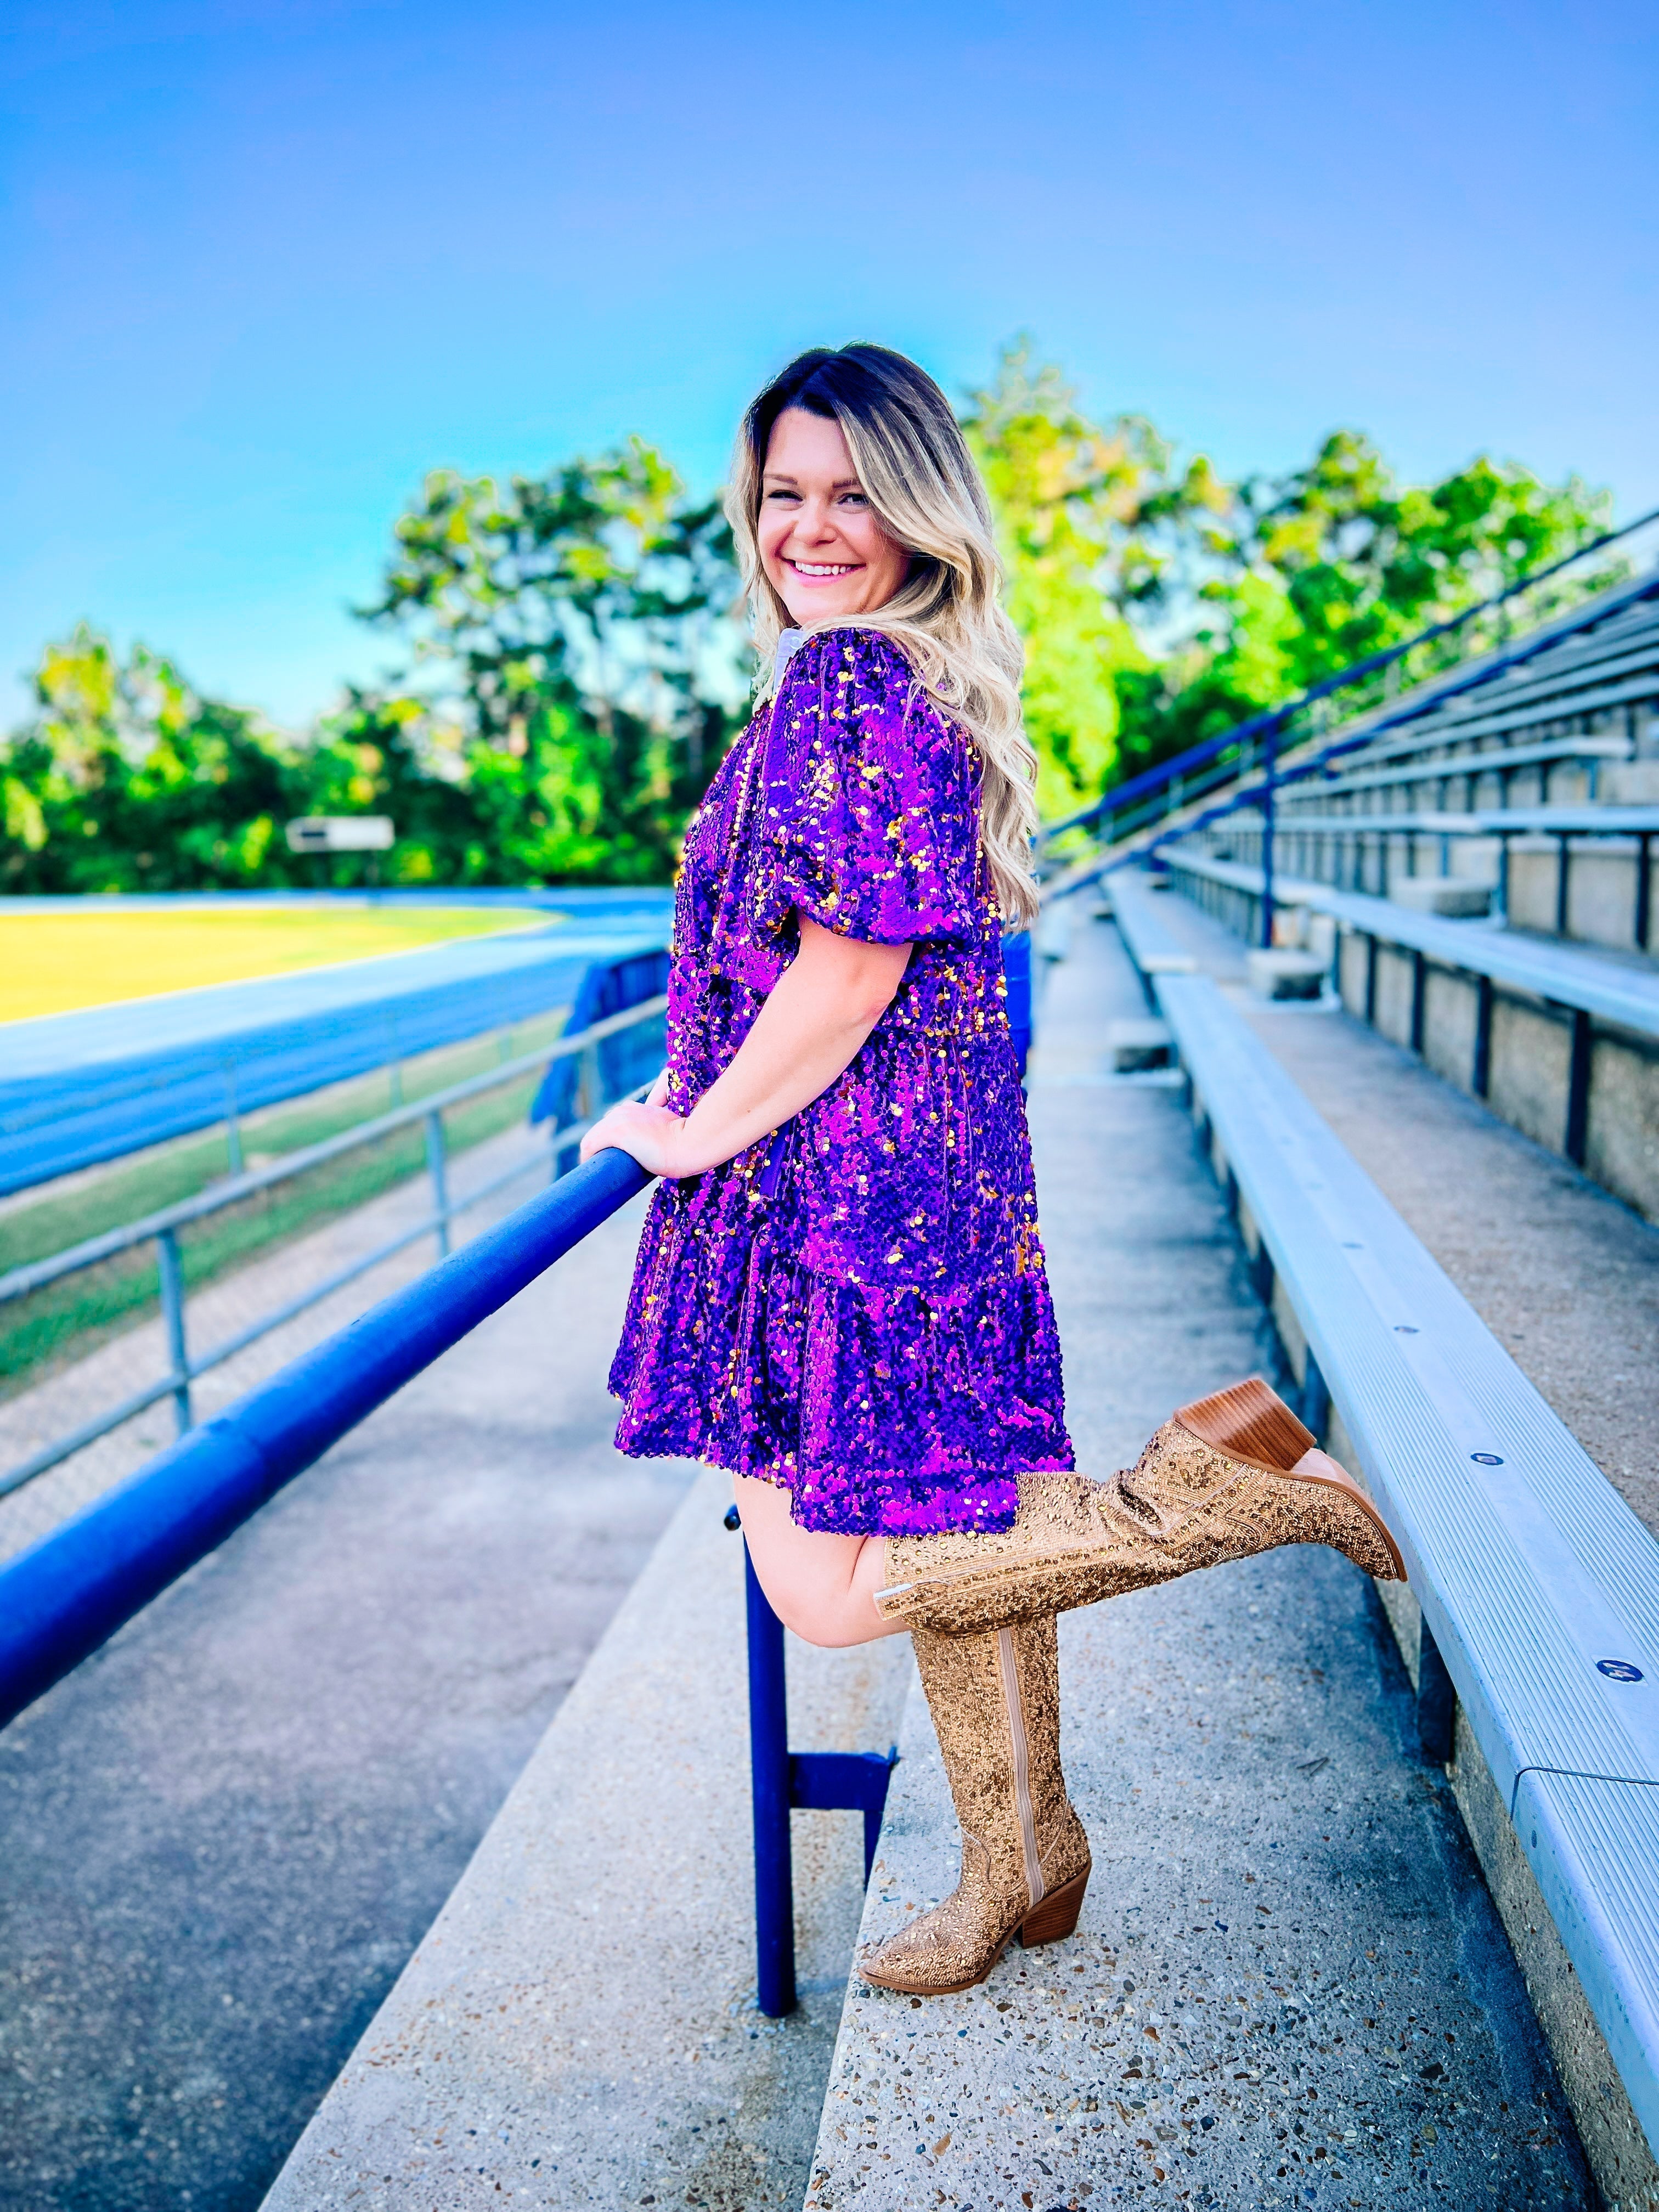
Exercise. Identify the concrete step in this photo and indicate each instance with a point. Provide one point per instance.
(1289, 1983)
(579, 2026)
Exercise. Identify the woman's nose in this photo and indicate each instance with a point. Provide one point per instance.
(812, 520)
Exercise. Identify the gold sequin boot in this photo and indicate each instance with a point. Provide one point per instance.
(995, 1702)
(1227, 1476)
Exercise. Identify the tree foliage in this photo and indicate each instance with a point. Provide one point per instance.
(574, 671)
(578, 624)
(1093, 520)
(1301, 575)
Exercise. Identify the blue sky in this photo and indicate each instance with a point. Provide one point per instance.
(265, 264)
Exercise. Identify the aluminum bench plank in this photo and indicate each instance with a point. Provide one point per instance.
(1479, 821)
(1596, 620)
(1540, 1566)
(1594, 1847)
(1479, 763)
(1529, 1567)
(1561, 973)
(1597, 684)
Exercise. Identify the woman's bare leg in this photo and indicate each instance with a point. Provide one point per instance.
(823, 1587)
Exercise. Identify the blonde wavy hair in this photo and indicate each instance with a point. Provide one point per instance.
(918, 474)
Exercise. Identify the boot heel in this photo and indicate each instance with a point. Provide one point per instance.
(1056, 1916)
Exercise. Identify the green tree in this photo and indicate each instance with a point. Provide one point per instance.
(1310, 572)
(126, 779)
(1094, 523)
(577, 620)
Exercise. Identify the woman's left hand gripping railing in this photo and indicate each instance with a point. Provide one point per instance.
(65, 1597)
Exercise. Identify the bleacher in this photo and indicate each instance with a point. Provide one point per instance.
(1496, 914)
(1243, 2045)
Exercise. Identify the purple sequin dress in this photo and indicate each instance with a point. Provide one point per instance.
(870, 1324)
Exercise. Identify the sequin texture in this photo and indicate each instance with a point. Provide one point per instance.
(876, 1335)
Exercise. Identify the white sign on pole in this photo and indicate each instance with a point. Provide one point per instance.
(341, 833)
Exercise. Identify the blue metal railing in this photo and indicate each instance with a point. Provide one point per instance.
(63, 1597)
(1233, 751)
(68, 1594)
(603, 1058)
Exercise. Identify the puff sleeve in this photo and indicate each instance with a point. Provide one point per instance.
(871, 807)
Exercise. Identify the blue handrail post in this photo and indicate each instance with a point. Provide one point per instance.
(1270, 776)
(170, 1270)
(769, 1753)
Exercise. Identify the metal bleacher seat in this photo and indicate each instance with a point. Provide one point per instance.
(1599, 661)
(1539, 1587)
(1588, 987)
(1502, 761)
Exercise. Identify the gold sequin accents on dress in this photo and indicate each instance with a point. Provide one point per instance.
(871, 1326)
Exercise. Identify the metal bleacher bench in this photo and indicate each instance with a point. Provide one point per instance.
(1569, 826)
(1502, 761)
(1588, 985)
(1539, 1587)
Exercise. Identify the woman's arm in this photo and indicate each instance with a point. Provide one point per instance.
(823, 1005)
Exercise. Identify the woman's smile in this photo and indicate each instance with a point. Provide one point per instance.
(822, 544)
(818, 571)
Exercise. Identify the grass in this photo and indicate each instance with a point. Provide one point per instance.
(50, 963)
(70, 1318)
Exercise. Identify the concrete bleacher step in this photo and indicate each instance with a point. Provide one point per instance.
(1256, 2004)
(578, 2026)
(1238, 1741)
(1461, 896)
(1534, 1589)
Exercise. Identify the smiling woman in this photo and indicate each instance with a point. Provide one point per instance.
(841, 1293)
(822, 545)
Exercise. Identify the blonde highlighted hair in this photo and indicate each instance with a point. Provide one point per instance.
(918, 474)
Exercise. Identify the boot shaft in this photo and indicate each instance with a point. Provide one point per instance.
(994, 1698)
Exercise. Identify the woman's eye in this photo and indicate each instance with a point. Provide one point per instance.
(853, 499)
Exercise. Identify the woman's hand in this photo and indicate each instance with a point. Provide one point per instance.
(650, 1134)
(811, 1028)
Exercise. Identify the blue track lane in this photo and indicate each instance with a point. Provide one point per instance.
(82, 1087)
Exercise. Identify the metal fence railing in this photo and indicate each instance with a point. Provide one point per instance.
(67, 1595)
(1253, 747)
(597, 1082)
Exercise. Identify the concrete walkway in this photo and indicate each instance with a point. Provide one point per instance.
(224, 1836)
(1290, 1985)
(579, 2027)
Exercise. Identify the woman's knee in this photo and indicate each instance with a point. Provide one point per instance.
(817, 1617)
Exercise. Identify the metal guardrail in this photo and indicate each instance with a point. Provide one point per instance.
(1263, 798)
(71, 1591)
(62, 1598)
(1254, 742)
(162, 1228)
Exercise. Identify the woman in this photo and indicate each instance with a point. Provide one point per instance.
(839, 1294)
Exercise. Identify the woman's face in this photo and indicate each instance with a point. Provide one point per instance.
(821, 543)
